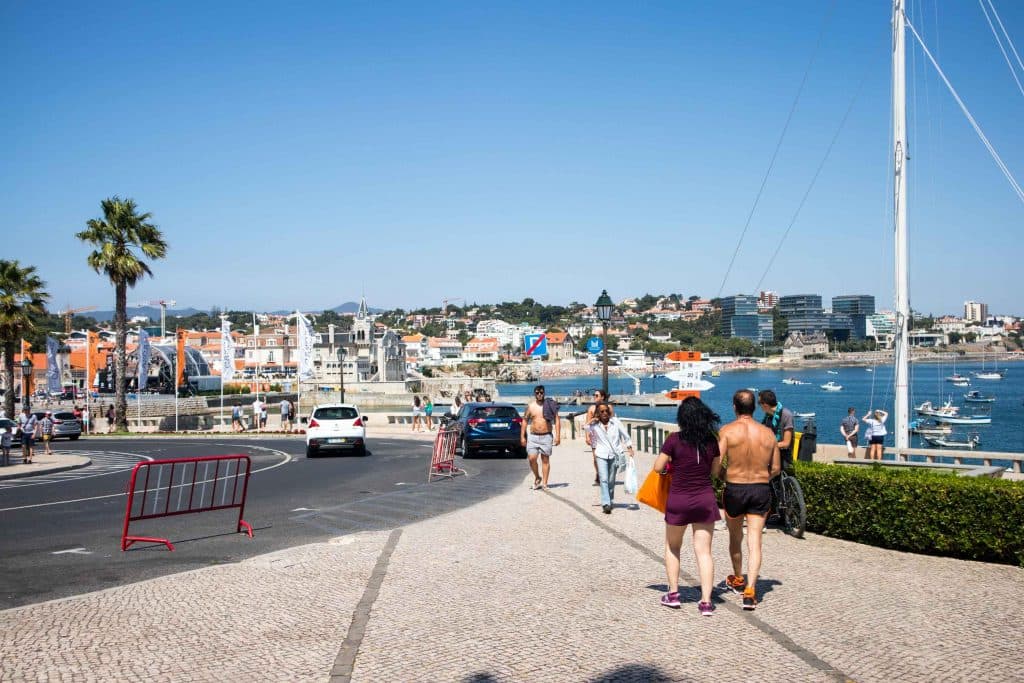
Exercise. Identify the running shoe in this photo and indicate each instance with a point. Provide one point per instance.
(735, 583)
(749, 599)
(671, 600)
(706, 609)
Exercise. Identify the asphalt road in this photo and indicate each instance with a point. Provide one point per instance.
(60, 534)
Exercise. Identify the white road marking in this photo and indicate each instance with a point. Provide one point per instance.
(73, 551)
(287, 458)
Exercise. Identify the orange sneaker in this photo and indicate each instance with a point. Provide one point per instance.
(735, 583)
(749, 599)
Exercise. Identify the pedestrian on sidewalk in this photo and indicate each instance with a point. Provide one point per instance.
(5, 446)
(428, 412)
(849, 428)
(46, 431)
(752, 454)
(263, 416)
(236, 419)
(286, 415)
(691, 457)
(591, 417)
(610, 443)
(110, 419)
(257, 408)
(27, 424)
(875, 420)
(540, 433)
(417, 409)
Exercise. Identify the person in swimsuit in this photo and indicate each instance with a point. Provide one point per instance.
(540, 418)
(693, 454)
(751, 456)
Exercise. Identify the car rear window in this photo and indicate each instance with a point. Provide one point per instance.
(504, 412)
(338, 413)
(64, 416)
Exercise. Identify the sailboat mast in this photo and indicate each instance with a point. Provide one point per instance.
(901, 423)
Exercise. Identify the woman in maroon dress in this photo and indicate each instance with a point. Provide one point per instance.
(693, 454)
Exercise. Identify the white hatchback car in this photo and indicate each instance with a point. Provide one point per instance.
(336, 426)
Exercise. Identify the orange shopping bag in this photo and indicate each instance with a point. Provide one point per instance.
(654, 491)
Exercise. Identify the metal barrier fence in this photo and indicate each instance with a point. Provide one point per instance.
(442, 460)
(184, 486)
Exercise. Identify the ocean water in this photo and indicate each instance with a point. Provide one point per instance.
(861, 390)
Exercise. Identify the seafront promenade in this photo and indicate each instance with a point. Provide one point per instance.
(530, 586)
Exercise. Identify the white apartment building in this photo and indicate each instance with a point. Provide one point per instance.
(506, 333)
(975, 312)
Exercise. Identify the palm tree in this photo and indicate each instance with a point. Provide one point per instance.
(21, 299)
(114, 235)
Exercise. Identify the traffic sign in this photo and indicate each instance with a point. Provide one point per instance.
(680, 356)
(536, 344)
(680, 394)
(699, 366)
(696, 385)
(595, 345)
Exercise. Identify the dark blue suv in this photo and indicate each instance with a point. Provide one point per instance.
(493, 426)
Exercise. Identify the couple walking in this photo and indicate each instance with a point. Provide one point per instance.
(748, 454)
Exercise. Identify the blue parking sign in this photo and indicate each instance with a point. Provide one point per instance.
(535, 344)
(595, 345)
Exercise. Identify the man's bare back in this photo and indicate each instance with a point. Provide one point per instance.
(749, 451)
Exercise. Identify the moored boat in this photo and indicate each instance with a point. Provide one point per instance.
(947, 409)
(972, 442)
(976, 396)
(832, 386)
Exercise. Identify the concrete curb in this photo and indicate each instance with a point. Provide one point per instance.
(48, 470)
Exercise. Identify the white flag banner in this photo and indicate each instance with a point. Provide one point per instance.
(144, 356)
(227, 352)
(305, 331)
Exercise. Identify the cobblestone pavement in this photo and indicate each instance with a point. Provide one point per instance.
(532, 586)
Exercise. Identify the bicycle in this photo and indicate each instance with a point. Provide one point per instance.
(789, 504)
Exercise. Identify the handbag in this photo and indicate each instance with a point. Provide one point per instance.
(630, 483)
(654, 491)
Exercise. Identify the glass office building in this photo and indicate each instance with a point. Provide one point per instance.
(741, 319)
(804, 313)
(859, 307)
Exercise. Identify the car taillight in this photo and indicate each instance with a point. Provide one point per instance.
(517, 420)
(57, 422)
(475, 421)
(358, 422)
(313, 423)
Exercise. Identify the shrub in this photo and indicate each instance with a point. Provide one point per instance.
(921, 511)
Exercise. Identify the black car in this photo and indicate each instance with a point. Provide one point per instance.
(489, 426)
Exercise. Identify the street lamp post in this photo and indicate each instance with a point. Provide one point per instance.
(26, 381)
(604, 314)
(341, 371)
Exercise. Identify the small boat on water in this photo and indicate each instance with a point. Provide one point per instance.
(983, 419)
(976, 396)
(929, 428)
(957, 377)
(999, 374)
(795, 381)
(804, 416)
(947, 409)
(962, 383)
(832, 372)
(832, 386)
(868, 370)
(969, 444)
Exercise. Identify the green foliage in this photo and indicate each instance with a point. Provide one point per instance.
(973, 518)
(646, 302)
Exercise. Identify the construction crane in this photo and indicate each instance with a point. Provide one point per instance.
(69, 313)
(163, 304)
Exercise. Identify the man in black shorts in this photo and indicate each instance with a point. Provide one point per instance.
(750, 456)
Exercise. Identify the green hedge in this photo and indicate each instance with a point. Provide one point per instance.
(928, 512)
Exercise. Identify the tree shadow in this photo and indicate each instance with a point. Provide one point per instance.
(628, 673)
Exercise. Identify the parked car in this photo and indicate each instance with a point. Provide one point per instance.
(336, 427)
(65, 424)
(6, 422)
(489, 426)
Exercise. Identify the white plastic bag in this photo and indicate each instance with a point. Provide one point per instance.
(631, 484)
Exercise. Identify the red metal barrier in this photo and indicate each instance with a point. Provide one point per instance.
(442, 461)
(196, 489)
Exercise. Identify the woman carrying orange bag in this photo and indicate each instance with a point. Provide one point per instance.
(694, 456)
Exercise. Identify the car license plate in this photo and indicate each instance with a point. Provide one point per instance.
(499, 425)
(336, 440)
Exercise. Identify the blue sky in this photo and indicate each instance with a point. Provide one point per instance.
(299, 156)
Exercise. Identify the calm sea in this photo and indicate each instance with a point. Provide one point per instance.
(861, 389)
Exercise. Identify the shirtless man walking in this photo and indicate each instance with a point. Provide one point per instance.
(750, 455)
(540, 419)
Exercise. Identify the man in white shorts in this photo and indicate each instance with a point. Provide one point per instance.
(540, 420)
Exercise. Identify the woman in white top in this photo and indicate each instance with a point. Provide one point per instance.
(608, 438)
(876, 428)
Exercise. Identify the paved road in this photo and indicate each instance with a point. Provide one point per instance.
(60, 533)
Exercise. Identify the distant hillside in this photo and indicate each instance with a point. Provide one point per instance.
(153, 312)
